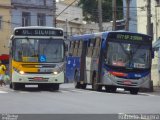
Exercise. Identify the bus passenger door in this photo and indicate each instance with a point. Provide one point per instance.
(89, 60)
(82, 54)
(70, 63)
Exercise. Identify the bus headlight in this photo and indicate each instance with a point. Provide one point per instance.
(21, 72)
(55, 72)
(58, 69)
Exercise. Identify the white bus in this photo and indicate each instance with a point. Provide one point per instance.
(37, 56)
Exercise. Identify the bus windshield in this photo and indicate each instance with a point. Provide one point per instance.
(38, 50)
(129, 56)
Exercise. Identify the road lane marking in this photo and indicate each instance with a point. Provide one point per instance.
(82, 91)
(147, 94)
(3, 91)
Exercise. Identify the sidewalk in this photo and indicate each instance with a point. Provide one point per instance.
(156, 90)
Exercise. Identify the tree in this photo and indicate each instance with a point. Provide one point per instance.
(90, 10)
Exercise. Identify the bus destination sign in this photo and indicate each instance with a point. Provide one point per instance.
(38, 32)
(129, 37)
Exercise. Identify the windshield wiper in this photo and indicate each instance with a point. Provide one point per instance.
(130, 55)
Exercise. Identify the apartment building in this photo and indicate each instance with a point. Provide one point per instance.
(5, 19)
(32, 13)
(17, 13)
(138, 23)
(68, 2)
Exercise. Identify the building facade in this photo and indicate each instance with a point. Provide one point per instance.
(70, 20)
(138, 23)
(17, 13)
(32, 13)
(5, 26)
(133, 14)
(68, 2)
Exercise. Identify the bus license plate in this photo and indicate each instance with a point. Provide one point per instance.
(127, 82)
(38, 78)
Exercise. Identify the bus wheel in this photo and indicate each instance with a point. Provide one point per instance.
(83, 86)
(110, 89)
(15, 86)
(134, 91)
(56, 86)
(76, 83)
(10, 85)
(95, 86)
(41, 86)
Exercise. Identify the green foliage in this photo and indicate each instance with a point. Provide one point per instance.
(90, 10)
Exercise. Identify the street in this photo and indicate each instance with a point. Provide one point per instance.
(69, 100)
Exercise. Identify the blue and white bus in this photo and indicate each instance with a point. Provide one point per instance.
(110, 59)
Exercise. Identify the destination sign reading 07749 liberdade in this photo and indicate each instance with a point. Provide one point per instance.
(38, 32)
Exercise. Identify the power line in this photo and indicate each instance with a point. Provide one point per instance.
(10, 22)
(65, 8)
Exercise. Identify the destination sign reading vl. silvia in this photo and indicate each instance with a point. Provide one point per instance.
(38, 32)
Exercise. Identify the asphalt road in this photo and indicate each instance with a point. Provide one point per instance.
(69, 100)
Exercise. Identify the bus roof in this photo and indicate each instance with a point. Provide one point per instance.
(38, 31)
(104, 35)
(37, 27)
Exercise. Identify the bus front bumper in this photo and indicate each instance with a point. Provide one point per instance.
(38, 78)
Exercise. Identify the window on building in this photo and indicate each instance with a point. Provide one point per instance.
(44, 1)
(158, 2)
(26, 18)
(0, 22)
(41, 19)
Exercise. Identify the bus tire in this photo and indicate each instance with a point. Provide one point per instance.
(95, 86)
(15, 86)
(56, 87)
(10, 85)
(110, 89)
(76, 83)
(134, 91)
(83, 86)
(41, 86)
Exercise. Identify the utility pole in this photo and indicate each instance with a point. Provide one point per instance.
(100, 15)
(114, 13)
(67, 25)
(149, 25)
(127, 15)
(149, 32)
(54, 13)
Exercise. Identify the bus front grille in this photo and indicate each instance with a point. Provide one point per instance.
(132, 84)
(38, 79)
(39, 72)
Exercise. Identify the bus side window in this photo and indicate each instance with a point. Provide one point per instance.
(96, 47)
(71, 48)
(80, 48)
(90, 48)
(75, 51)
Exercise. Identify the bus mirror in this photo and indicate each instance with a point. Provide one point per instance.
(152, 54)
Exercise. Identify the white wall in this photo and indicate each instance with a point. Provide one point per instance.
(69, 14)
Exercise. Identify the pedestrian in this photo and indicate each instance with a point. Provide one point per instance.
(2, 73)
